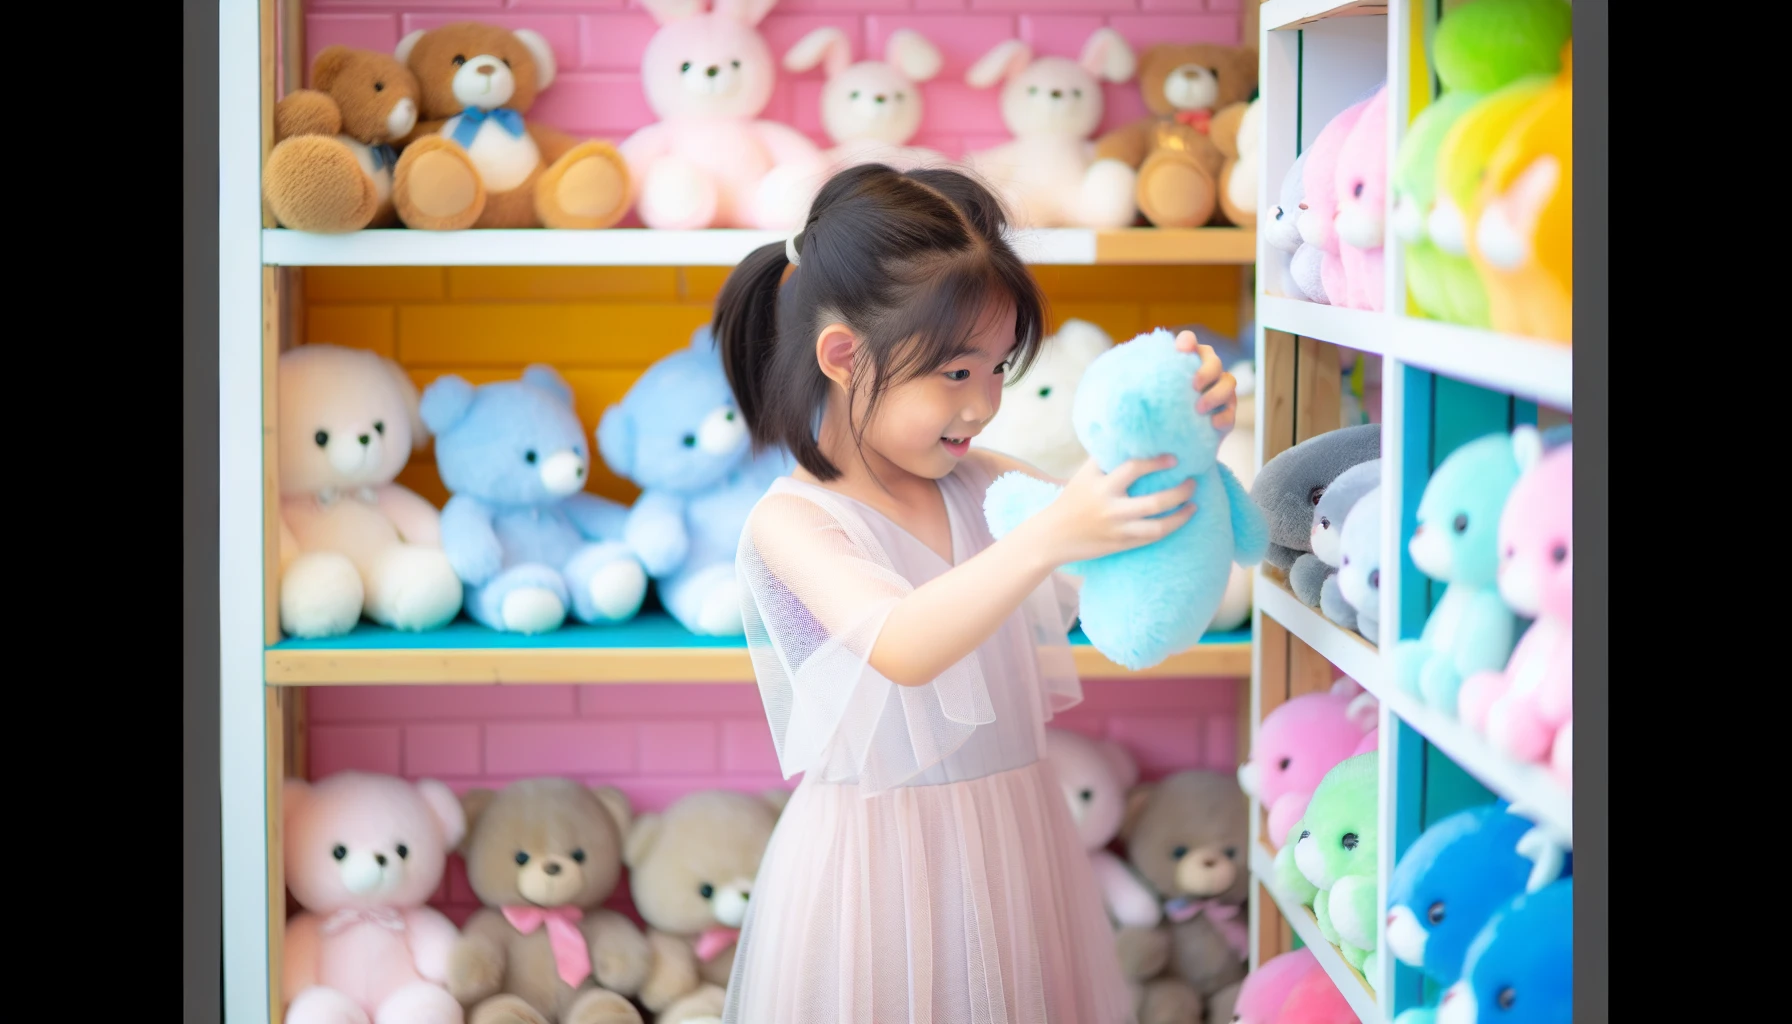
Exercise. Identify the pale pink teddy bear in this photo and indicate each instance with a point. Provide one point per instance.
(709, 161)
(364, 853)
(1302, 740)
(1266, 990)
(1362, 190)
(1319, 178)
(1096, 775)
(871, 109)
(1527, 709)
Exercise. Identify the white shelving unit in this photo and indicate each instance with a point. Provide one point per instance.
(1318, 57)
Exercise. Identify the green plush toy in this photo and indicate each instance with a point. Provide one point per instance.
(1288, 874)
(1478, 49)
(1336, 850)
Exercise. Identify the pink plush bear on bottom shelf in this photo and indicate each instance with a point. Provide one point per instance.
(1299, 742)
(1527, 709)
(1319, 177)
(1362, 181)
(1266, 990)
(364, 853)
(1316, 1000)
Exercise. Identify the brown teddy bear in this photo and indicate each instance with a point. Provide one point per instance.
(474, 162)
(1188, 89)
(691, 872)
(331, 170)
(1186, 835)
(543, 855)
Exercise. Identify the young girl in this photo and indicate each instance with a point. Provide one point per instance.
(926, 868)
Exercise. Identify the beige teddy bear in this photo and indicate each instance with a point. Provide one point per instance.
(691, 872)
(543, 855)
(351, 540)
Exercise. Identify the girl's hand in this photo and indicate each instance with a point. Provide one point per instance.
(1219, 389)
(1094, 516)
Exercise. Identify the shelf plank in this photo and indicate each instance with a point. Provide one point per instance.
(1359, 329)
(720, 247)
(1345, 649)
(652, 648)
(1278, 15)
(1354, 987)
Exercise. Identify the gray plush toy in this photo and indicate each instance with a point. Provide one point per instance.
(1288, 490)
(1328, 531)
(1359, 575)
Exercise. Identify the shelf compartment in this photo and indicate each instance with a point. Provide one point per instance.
(718, 247)
(1280, 15)
(1345, 649)
(652, 648)
(1354, 987)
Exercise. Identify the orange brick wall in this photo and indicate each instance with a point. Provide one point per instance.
(601, 327)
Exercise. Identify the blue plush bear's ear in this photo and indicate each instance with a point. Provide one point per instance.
(444, 402)
(616, 440)
(703, 339)
(548, 379)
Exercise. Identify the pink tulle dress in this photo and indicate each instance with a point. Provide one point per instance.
(926, 869)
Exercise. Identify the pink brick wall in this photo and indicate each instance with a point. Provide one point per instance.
(657, 742)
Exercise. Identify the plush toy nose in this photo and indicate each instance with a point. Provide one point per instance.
(402, 118)
(713, 70)
(563, 473)
(879, 97)
(361, 872)
(551, 868)
(1057, 94)
(487, 69)
(730, 903)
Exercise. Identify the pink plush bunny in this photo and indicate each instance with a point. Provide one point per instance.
(1526, 709)
(1048, 175)
(1362, 190)
(364, 853)
(1319, 176)
(709, 162)
(1266, 990)
(1299, 742)
(1096, 776)
(871, 109)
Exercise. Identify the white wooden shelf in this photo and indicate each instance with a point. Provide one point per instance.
(1354, 987)
(1280, 15)
(719, 247)
(1354, 656)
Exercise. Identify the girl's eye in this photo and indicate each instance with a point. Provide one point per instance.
(957, 374)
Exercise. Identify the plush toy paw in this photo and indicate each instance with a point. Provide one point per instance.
(532, 610)
(436, 187)
(475, 970)
(1013, 498)
(1307, 578)
(420, 1003)
(319, 1005)
(413, 588)
(720, 612)
(1170, 1001)
(1332, 603)
(505, 1010)
(600, 1006)
(1175, 191)
(314, 183)
(606, 583)
(1439, 685)
(320, 595)
(677, 196)
(1352, 906)
(1105, 199)
(1144, 952)
(586, 188)
(660, 542)
(703, 1006)
(673, 972)
(1221, 1005)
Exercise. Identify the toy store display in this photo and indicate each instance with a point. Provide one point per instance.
(475, 161)
(1197, 96)
(353, 542)
(691, 873)
(1051, 174)
(330, 170)
(710, 160)
(678, 436)
(1288, 491)
(1299, 742)
(1336, 850)
(1140, 606)
(530, 544)
(872, 108)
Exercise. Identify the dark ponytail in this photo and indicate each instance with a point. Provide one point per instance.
(912, 262)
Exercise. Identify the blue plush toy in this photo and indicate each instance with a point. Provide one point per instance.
(1137, 401)
(679, 437)
(1457, 543)
(1521, 965)
(527, 540)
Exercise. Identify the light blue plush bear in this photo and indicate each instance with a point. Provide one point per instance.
(1137, 401)
(1521, 966)
(1456, 543)
(678, 436)
(1453, 878)
(525, 537)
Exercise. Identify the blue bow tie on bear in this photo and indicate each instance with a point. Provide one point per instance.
(384, 156)
(472, 117)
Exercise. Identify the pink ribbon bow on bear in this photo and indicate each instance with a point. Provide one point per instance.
(1223, 915)
(714, 940)
(572, 958)
(1199, 120)
(386, 917)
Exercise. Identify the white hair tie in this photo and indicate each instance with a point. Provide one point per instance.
(790, 248)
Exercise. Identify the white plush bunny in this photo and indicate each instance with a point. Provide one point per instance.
(1048, 174)
(871, 109)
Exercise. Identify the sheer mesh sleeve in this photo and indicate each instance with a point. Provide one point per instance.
(818, 589)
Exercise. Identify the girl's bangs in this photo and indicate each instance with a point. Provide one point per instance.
(945, 310)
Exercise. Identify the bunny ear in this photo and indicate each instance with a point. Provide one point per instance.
(1107, 57)
(826, 45)
(1003, 62)
(909, 52)
(668, 11)
(747, 12)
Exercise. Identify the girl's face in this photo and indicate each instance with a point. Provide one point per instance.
(924, 426)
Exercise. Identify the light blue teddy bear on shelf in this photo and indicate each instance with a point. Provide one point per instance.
(528, 541)
(678, 435)
(1456, 543)
(1137, 401)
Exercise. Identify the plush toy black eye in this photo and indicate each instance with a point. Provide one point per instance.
(690, 440)
(1325, 523)
(1506, 998)
(1436, 913)
(1076, 93)
(1460, 523)
(853, 95)
(686, 66)
(729, 415)
(1350, 840)
(1231, 853)
(1315, 494)
(1346, 559)
(1278, 213)
(1179, 853)
(706, 890)
(459, 60)
(529, 456)
(1357, 192)
(521, 858)
(339, 851)
(379, 87)
(1087, 795)
(1304, 834)
(507, 64)
(1032, 90)
(1375, 578)
(322, 438)
(1045, 392)
(578, 856)
(1559, 553)
(379, 427)
(403, 851)
(1284, 763)
(736, 64)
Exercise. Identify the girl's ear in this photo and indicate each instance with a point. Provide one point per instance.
(834, 351)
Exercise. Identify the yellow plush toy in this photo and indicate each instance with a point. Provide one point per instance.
(1524, 234)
